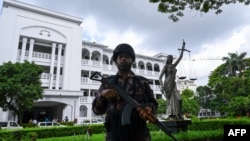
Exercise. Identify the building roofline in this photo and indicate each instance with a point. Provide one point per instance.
(36, 9)
(94, 43)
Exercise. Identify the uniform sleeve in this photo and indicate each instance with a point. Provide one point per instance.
(99, 104)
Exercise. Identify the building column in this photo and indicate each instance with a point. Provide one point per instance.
(90, 55)
(23, 49)
(101, 60)
(91, 81)
(52, 65)
(58, 66)
(89, 93)
(32, 41)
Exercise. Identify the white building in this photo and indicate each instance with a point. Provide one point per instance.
(54, 41)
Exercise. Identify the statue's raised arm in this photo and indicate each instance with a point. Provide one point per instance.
(181, 54)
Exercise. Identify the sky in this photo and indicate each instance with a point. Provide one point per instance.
(208, 36)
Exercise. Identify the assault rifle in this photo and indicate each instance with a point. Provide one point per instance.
(131, 103)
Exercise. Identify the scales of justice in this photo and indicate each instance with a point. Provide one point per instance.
(176, 121)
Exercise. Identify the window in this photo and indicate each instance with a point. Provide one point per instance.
(3, 124)
(13, 124)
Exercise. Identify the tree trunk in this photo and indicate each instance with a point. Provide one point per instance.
(20, 117)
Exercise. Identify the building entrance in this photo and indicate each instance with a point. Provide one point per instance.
(45, 111)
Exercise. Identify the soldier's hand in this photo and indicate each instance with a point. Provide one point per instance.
(110, 94)
(143, 114)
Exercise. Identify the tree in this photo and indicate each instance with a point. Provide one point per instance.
(229, 81)
(216, 76)
(162, 104)
(176, 7)
(187, 93)
(204, 96)
(248, 105)
(20, 86)
(189, 105)
(238, 106)
(235, 64)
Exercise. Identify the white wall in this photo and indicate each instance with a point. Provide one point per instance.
(19, 22)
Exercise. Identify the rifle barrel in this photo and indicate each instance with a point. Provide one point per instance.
(165, 129)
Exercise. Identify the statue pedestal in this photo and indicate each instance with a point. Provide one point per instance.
(177, 125)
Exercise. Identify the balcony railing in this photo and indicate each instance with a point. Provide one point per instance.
(87, 99)
(39, 55)
(87, 62)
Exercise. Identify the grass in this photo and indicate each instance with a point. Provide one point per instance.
(95, 137)
(207, 133)
(156, 135)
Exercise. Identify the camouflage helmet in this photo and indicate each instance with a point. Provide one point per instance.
(123, 48)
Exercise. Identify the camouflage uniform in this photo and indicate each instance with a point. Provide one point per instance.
(139, 89)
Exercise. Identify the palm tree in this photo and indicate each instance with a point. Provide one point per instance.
(235, 64)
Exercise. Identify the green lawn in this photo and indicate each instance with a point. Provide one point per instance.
(156, 136)
(214, 135)
(95, 137)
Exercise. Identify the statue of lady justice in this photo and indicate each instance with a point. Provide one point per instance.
(169, 88)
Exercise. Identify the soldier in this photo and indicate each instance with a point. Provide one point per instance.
(108, 102)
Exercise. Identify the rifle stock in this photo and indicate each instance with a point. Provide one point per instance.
(123, 94)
